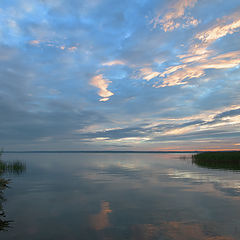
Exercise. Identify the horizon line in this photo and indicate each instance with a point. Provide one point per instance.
(119, 151)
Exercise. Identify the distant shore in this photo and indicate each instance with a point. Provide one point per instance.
(101, 151)
(109, 151)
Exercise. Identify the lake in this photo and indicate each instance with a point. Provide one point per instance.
(118, 196)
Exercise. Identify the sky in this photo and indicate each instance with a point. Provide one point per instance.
(119, 74)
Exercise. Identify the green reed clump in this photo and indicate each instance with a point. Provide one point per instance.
(218, 160)
(16, 167)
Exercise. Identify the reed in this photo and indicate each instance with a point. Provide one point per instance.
(16, 167)
(218, 160)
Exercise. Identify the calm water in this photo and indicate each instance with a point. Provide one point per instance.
(120, 196)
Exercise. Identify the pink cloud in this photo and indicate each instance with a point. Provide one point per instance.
(34, 42)
(114, 62)
(100, 82)
(199, 58)
(225, 26)
(175, 16)
(148, 74)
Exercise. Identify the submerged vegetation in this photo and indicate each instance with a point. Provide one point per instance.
(218, 160)
(16, 167)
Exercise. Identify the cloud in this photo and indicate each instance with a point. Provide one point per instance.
(73, 48)
(100, 82)
(180, 76)
(219, 124)
(232, 112)
(114, 62)
(195, 66)
(174, 18)
(199, 58)
(208, 125)
(148, 74)
(225, 26)
(53, 44)
(104, 99)
(34, 42)
(180, 131)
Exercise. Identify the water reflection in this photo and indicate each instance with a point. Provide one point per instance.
(100, 221)
(175, 231)
(122, 196)
(230, 186)
(11, 168)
